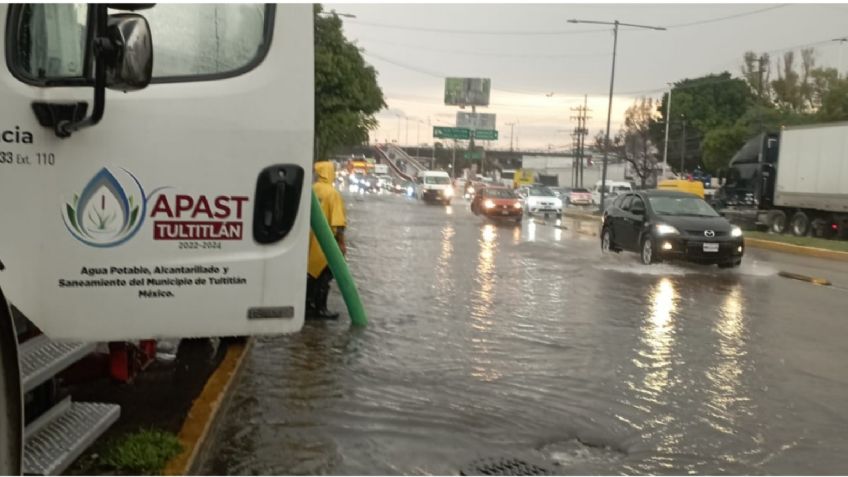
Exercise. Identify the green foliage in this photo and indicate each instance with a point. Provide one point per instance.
(720, 144)
(346, 91)
(143, 452)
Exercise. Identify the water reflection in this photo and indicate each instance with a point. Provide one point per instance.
(481, 310)
(726, 391)
(531, 230)
(449, 209)
(444, 282)
(658, 335)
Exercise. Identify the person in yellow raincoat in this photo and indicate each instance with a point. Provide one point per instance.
(318, 273)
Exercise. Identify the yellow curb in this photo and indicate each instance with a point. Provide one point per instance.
(804, 278)
(759, 243)
(205, 409)
(797, 249)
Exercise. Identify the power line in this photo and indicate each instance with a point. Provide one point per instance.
(728, 17)
(489, 54)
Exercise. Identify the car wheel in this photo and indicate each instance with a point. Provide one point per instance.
(606, 240)
(648, 253)
(800, 224)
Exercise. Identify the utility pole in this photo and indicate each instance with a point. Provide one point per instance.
(841, 43)
(406, 142)
(511, 135)
(579, 136)
(667, 124)
(398, 131)
(615, 25)
(471, 141)
(683, 149)
(453, 163)
(417, 138)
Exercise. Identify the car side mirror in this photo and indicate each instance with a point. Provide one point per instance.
(129, 66)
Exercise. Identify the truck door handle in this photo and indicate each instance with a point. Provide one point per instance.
(278, 191)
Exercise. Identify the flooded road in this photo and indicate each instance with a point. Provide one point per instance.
(499, 340)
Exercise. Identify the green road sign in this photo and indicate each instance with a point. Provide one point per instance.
(443, 132)
(473, 154)
(486, 134)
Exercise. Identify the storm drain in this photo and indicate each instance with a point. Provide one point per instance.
(505, 466)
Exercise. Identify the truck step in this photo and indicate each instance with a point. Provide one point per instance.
(42, 358)
(59, 436)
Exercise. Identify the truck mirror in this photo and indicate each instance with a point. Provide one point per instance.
(129, 66)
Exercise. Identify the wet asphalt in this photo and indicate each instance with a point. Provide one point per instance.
(496, 340)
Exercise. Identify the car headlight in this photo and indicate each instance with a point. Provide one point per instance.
(488, 204)
(735, 232)
(665, 229)
(517, 205)
(448, 192)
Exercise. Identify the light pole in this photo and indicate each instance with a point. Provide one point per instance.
(841, 43)
(615, 24)
(398, 132)
(667, 123)
(683, 147)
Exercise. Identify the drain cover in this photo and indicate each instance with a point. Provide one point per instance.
(505, 466)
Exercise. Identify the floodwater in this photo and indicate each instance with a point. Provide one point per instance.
(490, 340)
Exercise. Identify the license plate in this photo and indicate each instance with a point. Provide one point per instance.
(505, 212)
(710, 247)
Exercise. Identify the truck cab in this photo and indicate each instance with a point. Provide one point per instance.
(155, 163)
(748, 180)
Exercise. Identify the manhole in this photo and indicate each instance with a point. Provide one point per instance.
(505, 466)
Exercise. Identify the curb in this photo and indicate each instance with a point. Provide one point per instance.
(757, 243)
(205, 409)
(797, 249)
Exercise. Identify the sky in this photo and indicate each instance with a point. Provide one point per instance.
(541, 65)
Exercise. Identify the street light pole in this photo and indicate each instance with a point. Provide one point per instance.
(841, 43)
(667, 123)
(398, 133)
(683, 148)
(615, 25)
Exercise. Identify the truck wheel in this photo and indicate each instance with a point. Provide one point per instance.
(777, 221)
(800, 224)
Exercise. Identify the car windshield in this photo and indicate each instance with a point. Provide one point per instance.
(689, 206)
(540, 192)
(436, 180)
(498, 193)
(580, 191)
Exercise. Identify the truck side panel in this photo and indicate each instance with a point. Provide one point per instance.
(813, 168)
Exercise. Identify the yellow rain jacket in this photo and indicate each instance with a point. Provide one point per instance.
(334, 210)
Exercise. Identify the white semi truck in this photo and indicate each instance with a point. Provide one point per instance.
(795, 181)
(155, 164)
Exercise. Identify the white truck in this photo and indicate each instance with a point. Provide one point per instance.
(796, 180)
(155, 164)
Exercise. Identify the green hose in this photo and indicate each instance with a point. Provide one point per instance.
(337, 264)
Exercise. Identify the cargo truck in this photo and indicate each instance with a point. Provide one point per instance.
(155, 164)
(795, 181)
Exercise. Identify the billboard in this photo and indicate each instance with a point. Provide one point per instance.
(475, 121)
(467, 91)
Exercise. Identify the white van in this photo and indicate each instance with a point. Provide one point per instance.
(434, 186)
(613, 189)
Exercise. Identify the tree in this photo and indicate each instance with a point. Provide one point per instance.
(707, 103)
(633, 143)
(347, 95)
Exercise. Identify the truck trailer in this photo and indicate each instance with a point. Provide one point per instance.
(795, 181)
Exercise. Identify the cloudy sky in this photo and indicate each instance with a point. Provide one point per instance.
(530, 51)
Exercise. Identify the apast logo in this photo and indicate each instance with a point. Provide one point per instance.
(112, 207)
(108, 211)
(198, 217)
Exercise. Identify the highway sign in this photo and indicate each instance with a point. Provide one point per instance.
(486, 134)
(443, 132)
(473, 154)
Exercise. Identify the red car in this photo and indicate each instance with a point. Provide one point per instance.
(497, 203)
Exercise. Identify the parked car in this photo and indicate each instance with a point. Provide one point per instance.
(660, 224)
(495, 202)
(541, 200)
